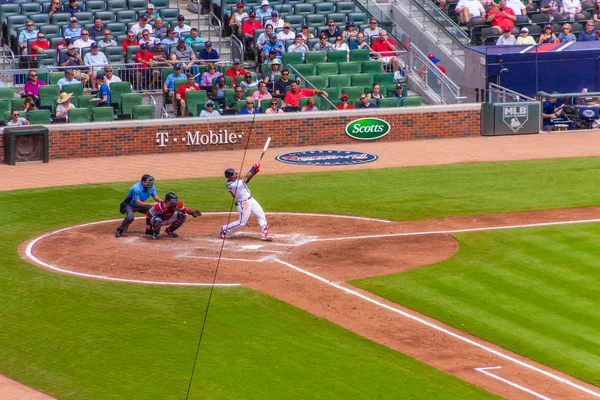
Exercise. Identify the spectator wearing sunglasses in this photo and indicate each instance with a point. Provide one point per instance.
(365, 103)
(73, 7)
(248, 82)
(344, 105)
(323, 44)
(283, 82)
(16, 120)
(129, 41)
(332, 30)
(273, 108)
(589, 33)
(208, 53)
(209, 110)
(32, 86)
(84, 41)
(286, 33)
(250, 109)
(39, 46)
(566, 35)
(28, 33)
(73, 30)
(107, 40)
(372, 30)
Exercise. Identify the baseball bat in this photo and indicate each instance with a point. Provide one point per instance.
(265, 148)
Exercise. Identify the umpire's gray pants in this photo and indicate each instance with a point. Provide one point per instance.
(130, 215)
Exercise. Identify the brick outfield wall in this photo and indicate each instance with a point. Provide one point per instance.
(321, 128)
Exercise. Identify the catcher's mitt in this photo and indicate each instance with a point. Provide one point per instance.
(195, 213)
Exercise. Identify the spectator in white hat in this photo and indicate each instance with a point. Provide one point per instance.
(525, 38)
(151, 13)
(264, 11)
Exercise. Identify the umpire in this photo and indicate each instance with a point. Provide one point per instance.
(135, 202)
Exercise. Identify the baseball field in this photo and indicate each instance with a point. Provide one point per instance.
(518, 279)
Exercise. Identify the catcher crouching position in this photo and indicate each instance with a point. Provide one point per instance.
(170, 212)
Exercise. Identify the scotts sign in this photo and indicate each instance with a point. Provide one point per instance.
(368, 128)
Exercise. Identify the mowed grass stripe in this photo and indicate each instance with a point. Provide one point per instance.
(502, 287)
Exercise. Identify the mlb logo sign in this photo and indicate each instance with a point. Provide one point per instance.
(515, 116)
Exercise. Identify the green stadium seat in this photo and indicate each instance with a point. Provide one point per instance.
(360, 55)
(48, 95)
(84, 101)
(116, 5)
(353, 92)
(349, 68)
(295, 21)
(334, 93)
(106, 16)
(128, 100)
(126, 16)
(15, 104)
(306, 69)
(137, 4)
(7, 93)
(292, 58)
(324, 8)
(114, 55)
(319, 81)
(337, 56)
(61, 18)
(384, 78)
(103, 114)
(193, 98)
(339, 18)
(315, 57)
(5, 106)
(30, 8)
(55, 77)
(39, 117)
(117, 89)
(339, 81)
(79, 115)
(345, 7)
(329, 68)
(364, 79)
(132, 50)
(160, 4)
(358, 18)
(169, 14)
(304, 9)
(315, 20)
(371, 67)
(412, 101)
(117, 28)
(84, 18)
(13, 22)
(9, 9)
(94, 6)
(40, 19)
(143, 111)
(389, 102)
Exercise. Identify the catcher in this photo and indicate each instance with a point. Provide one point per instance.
(170, 212)
(244, 202)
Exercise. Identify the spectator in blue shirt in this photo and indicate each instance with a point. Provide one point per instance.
(208, 53)
(273, 44)
(104, 91)
(28, 33)
(73, 8)
(171, 38)
(169, 86)
(264, 11)
(135, 201)
(73, 30)
(249, 109)
(589, 33)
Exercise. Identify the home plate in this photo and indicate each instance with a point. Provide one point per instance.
(252, 246)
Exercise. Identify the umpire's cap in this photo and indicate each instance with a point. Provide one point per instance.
(229, 172)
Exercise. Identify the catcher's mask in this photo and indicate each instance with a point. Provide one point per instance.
(229, 172)
(171, 199)
(147, 181)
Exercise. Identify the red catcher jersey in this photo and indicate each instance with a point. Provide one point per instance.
(165, 212)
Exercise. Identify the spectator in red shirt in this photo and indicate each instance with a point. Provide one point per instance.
(129, 41)
(385, 47)
(501, 17)
(145, 60)
(183, 89)
(39, 45)
(293, 96)
(236, 70)
(248, 29)
(344, 105)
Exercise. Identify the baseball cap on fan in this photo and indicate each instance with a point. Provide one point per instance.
(264, 3)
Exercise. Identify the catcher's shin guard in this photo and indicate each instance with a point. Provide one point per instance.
(177, 224)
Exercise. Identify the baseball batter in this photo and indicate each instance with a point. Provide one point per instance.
(171, 212)
(244, 202)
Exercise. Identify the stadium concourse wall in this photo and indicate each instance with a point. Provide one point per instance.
(227, 133)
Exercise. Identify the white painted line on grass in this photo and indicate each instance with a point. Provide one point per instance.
(28, 252)
(489, 228)
(439, 328)
(531, 392)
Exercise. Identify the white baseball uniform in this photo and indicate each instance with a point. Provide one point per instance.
(246, 205)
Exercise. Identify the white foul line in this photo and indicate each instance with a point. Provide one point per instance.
(438, 328)
(490, 228)
(531, 392)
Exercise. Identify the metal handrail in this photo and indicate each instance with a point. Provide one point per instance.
(504, 92)
(235, 40)
(445, 81)
(212, 17)
(456, 34)
(291, 67)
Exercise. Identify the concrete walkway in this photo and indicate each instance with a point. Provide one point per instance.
(212, 164)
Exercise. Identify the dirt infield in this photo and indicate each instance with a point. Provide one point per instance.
(306, 265)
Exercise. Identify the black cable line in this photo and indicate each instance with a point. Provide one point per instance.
(212, 286)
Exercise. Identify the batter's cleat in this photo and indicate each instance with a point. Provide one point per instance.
(156, 235)
(267, 238)
(172, 234)
(149, 232)
(222, 234)
(118, 233)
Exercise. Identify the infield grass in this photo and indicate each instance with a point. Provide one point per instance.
(82, 339)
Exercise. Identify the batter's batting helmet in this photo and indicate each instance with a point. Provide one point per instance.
(229, 172)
